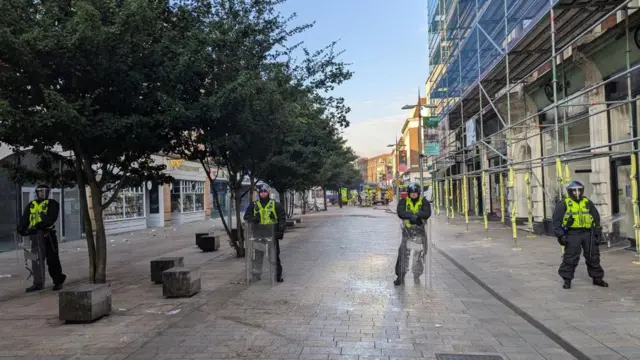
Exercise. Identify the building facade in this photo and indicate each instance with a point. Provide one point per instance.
(522, 115)
(187, 199)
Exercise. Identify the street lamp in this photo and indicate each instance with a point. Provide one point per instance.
(420, 133)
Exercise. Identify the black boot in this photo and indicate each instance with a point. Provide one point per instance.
(399, 280)
(600, 282)
(58, 286)
(567, 284)
(34, 288)
(280, 279)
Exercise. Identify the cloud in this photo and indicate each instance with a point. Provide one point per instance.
(367, 102)
(370, 137)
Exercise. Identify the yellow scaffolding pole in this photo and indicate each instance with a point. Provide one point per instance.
(634, 197)
(465, 201)
(514, 210)
(484, 199)
(476, 203)
(446, 198)
(459, 197)
(527, 181)
(501, 192)
(453, 213)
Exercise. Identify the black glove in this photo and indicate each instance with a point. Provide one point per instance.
(562, 240)
(413, 219)
(255, 219)
(419, 221)
(280, 235)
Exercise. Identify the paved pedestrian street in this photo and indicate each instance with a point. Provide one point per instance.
(338, 301)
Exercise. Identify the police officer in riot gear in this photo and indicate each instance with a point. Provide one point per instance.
(266, 211)
(575, 219)
(39, 218)
(414, 211)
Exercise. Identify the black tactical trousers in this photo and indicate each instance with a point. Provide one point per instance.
(577, 242)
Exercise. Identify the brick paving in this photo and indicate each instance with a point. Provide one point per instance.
(603, 323)
(337, 302)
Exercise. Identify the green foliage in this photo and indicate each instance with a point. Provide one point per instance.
(98, 81)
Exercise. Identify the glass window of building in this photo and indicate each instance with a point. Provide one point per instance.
(128, 204)
(187, 196)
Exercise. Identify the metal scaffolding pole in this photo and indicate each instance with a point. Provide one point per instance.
(634, 145)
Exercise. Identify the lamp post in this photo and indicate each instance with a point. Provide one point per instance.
(420, 134)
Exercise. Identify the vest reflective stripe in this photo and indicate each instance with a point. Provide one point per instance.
(36, 211)
(413, 208)
(265, 212)
(582, 219)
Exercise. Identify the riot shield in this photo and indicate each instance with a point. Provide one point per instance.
(34, 251)
(413, 251)
(260, 253)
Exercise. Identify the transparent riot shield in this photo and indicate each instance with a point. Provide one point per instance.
(34, 255)
(260, 253)
(412, 252)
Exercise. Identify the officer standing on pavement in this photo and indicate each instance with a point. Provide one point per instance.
(39, 222)
(575, 221)
(266, 211)
(414, 210)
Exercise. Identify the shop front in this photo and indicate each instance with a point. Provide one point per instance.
(189, 198)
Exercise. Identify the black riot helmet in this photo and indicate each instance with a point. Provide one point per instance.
(263, 191)
(42, 192)
(575, 190)
(413, 188)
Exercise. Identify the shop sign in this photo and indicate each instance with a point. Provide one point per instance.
(218, 174)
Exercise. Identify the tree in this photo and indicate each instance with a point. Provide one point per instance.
(248, 104)
(101, 81)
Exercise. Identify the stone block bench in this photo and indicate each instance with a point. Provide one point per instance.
(180, 282)
(291, 223)
(162, 264)
(207, 242)
(84, 303)
(297, 219)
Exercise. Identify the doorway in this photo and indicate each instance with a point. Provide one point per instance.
(29, 194)
(622, 204)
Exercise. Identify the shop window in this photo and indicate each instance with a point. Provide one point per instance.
(187, 196)
(128, 204)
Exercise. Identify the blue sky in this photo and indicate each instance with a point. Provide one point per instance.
(386, 42)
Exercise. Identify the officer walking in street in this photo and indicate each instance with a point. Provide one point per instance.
(266, 211)
(414, 210)
(38, 221)
(575, 222)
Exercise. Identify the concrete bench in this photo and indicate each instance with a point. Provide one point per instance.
(180, 282)
(84, 303)
(298, 220)
(208, 242)
(291, 223)
(162, 264)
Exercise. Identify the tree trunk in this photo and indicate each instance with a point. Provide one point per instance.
(239, 240)
(86, 218)
(252, 184)
(101, 236)
(324, 196)
(283, 199)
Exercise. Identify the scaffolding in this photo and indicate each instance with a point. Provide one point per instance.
(484, 55)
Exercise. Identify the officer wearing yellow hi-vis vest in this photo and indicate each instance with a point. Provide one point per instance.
(266, 211)
(39, 218)
(414, 210)
(575, 219)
